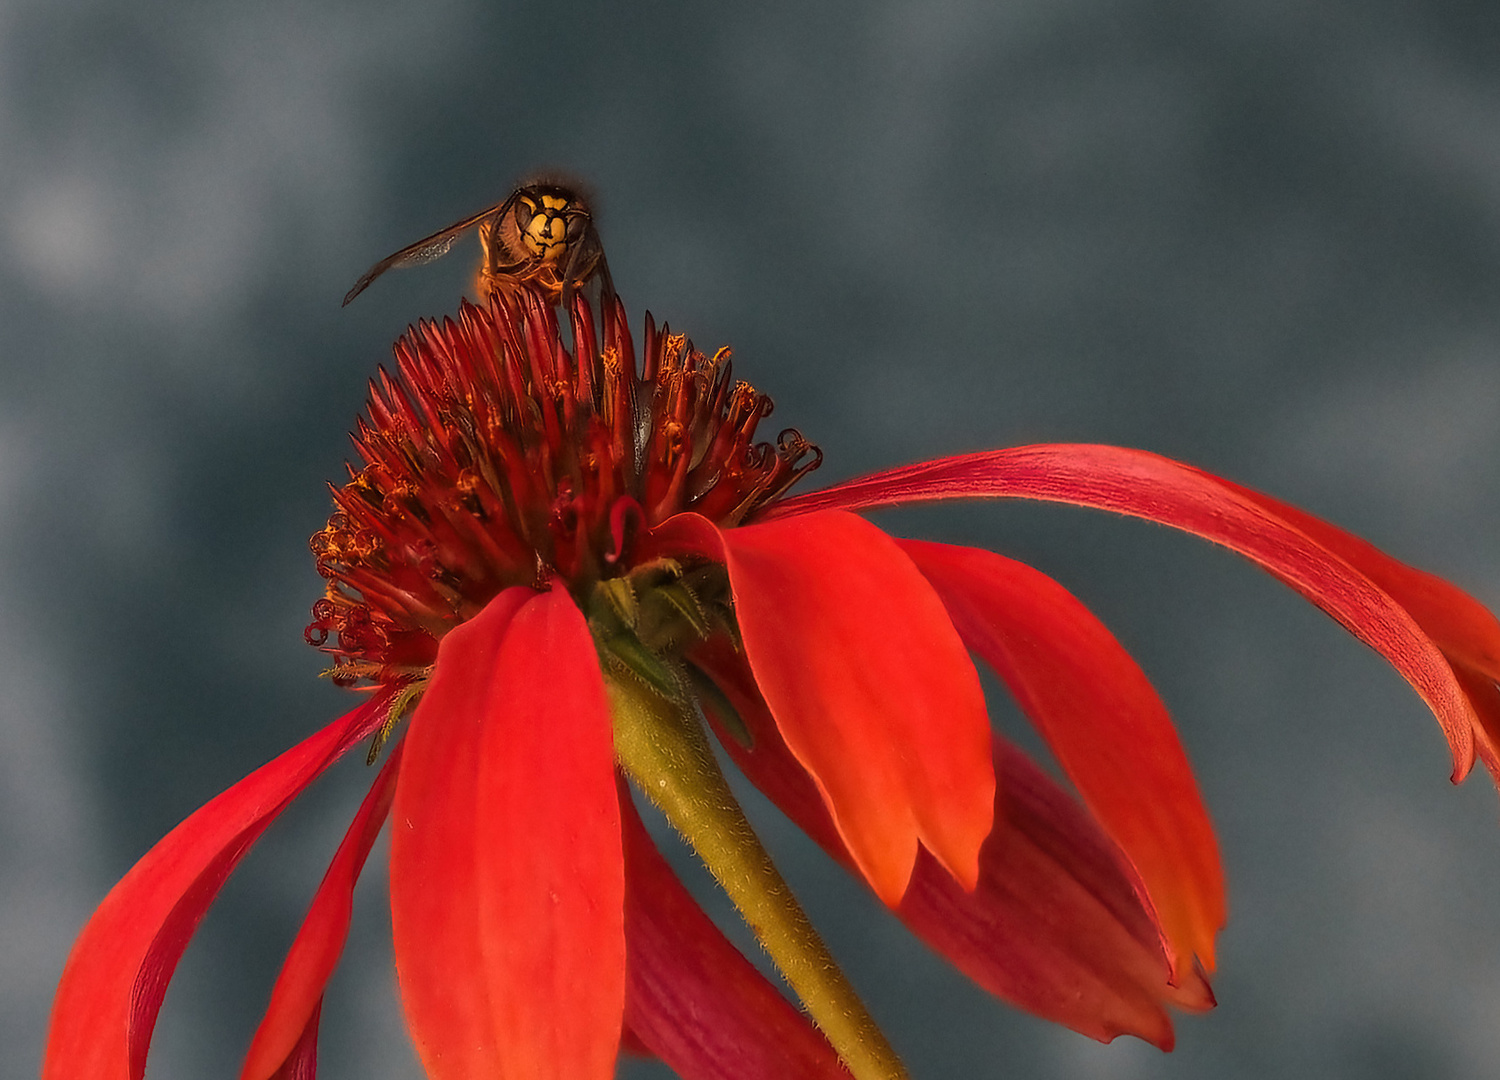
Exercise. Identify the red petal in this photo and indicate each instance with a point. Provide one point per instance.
(1485, 697)
(117, 974)
(507, 879)
(1054, 926)
(434, 877)
(302, 1062)
(691, 998)
(297, 996)
(871, 688)
(1103, 720)
(630, 1042)
(1149, 486)
(1461, 626)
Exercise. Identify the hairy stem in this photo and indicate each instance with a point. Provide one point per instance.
(665, 751)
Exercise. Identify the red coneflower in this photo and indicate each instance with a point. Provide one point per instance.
(562, 569)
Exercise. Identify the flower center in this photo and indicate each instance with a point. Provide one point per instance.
(496, 457)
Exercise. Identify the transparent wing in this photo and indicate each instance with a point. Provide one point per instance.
(428, 248)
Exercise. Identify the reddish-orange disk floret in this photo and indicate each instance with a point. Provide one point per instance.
(494, 457)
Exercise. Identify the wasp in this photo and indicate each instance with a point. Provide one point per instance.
(541, 236)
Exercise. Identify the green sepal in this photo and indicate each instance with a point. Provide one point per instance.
(681, 602)
(402, 703)
(619, 596)
(624, 653)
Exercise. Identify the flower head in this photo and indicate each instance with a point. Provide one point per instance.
(557, 569)
(497, 459)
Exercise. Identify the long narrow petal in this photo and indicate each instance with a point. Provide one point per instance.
(1462, 627)
(117, 973)
(1054, 927)
(1484, 695)
(302, 1062)
(1104, 721)
(690, 997)
(1146, 485)
(869, 684)
(552, 871)
(297, 997)
(434, 879)
(507, 879)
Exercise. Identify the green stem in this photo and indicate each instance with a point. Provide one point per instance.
(666, 753)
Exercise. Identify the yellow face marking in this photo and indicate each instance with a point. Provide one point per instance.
(546, 234)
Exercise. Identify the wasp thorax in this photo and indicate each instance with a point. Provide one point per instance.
(495, 456)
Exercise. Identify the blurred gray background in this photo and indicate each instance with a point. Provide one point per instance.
(1263, 237)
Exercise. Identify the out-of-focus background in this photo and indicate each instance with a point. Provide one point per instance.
(1262, 237)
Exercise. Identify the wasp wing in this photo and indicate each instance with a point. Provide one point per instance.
(427, 249)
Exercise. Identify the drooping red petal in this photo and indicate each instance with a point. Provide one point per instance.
(302, 1062)
(1460, 625)
(552, 872)
(1054, 927)
(870, 686)
(117, 974)
(434, 877)
(1104, 721)
(1485, 697)
(1147, 485)
(691, 998)
(297, 998)
(630, 1042)
(507, 879)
